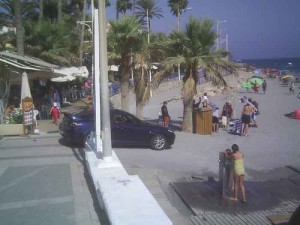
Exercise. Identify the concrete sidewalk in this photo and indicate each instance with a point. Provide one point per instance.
(42, 181)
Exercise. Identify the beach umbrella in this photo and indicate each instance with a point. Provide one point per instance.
(63, 78)
(25, 88)
(257, 80)
(256, 76)
(246, 85)
(288, 76)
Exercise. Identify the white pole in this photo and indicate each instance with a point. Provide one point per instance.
(97, 102)
(178, 29)
(150, 73)
(105, 108)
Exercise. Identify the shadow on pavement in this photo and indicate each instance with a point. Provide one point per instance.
(79, 153)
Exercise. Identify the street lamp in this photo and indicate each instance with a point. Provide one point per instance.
(85, 23)
(218, 31)
(179, 12)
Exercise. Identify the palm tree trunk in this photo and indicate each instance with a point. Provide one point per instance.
(187, 123)
(59, 11)
(82, 33)
(188, 92)
(133, 7)
(139, 110)
(41, 7)
(125, 97)
(19, 27)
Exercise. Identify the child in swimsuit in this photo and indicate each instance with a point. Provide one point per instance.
(239, 172)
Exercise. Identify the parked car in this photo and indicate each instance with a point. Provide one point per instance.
(126, 130)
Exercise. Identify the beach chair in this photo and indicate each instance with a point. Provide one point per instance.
(237, 127)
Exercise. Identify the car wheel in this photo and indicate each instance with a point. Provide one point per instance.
(158, 142)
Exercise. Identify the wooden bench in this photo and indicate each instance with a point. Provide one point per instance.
(279, 219)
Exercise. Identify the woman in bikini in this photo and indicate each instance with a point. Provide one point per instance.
(239, 173)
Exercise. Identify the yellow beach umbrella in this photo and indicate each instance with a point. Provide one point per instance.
(287, 76)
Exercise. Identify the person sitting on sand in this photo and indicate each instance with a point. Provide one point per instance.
(246, 117)
(238, 173)
(293, 115)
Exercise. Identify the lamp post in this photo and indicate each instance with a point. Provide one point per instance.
(85, 23)
(179, 12)
(104, 98)
(218, 31)
(150, 72)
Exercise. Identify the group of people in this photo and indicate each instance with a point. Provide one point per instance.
(235, 167)
(248, 115)
(226, 115)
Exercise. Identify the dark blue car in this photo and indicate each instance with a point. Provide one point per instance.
(126, 129)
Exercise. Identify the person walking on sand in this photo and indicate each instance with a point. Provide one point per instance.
(255, 87)
(246, 117)
(55, 113)
(292, 88)
(264, 86)
(165, 114)
(238, 173)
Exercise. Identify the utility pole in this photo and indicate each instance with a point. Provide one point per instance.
(218, 32)
(105, 108)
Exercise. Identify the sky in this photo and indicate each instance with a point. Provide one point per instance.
(257, 29)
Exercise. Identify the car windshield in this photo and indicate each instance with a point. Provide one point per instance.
(126, 119)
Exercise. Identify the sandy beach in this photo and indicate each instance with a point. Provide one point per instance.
(274, 144)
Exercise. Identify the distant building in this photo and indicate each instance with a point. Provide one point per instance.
(5, 29)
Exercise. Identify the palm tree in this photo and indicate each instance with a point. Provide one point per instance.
(146, 10)
(193, 50)
(141, 64)
(123, 6)
(19, 27)
(177, 7)
(124, 37)
(59, 45)
(59, 11)
(41, 10)
(133, 7)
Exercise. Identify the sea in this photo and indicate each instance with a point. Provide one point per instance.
(290, 64)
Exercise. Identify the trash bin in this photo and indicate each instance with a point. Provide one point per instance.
(202, 121)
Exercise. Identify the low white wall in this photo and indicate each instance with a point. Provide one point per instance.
(125, 198)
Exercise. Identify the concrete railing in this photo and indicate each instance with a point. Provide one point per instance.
(125, 199)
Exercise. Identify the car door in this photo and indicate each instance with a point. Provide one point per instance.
(128, 130)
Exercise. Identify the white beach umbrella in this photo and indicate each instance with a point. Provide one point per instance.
(73, 71)
(113, 68)
(25, 88)
(63, 78)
